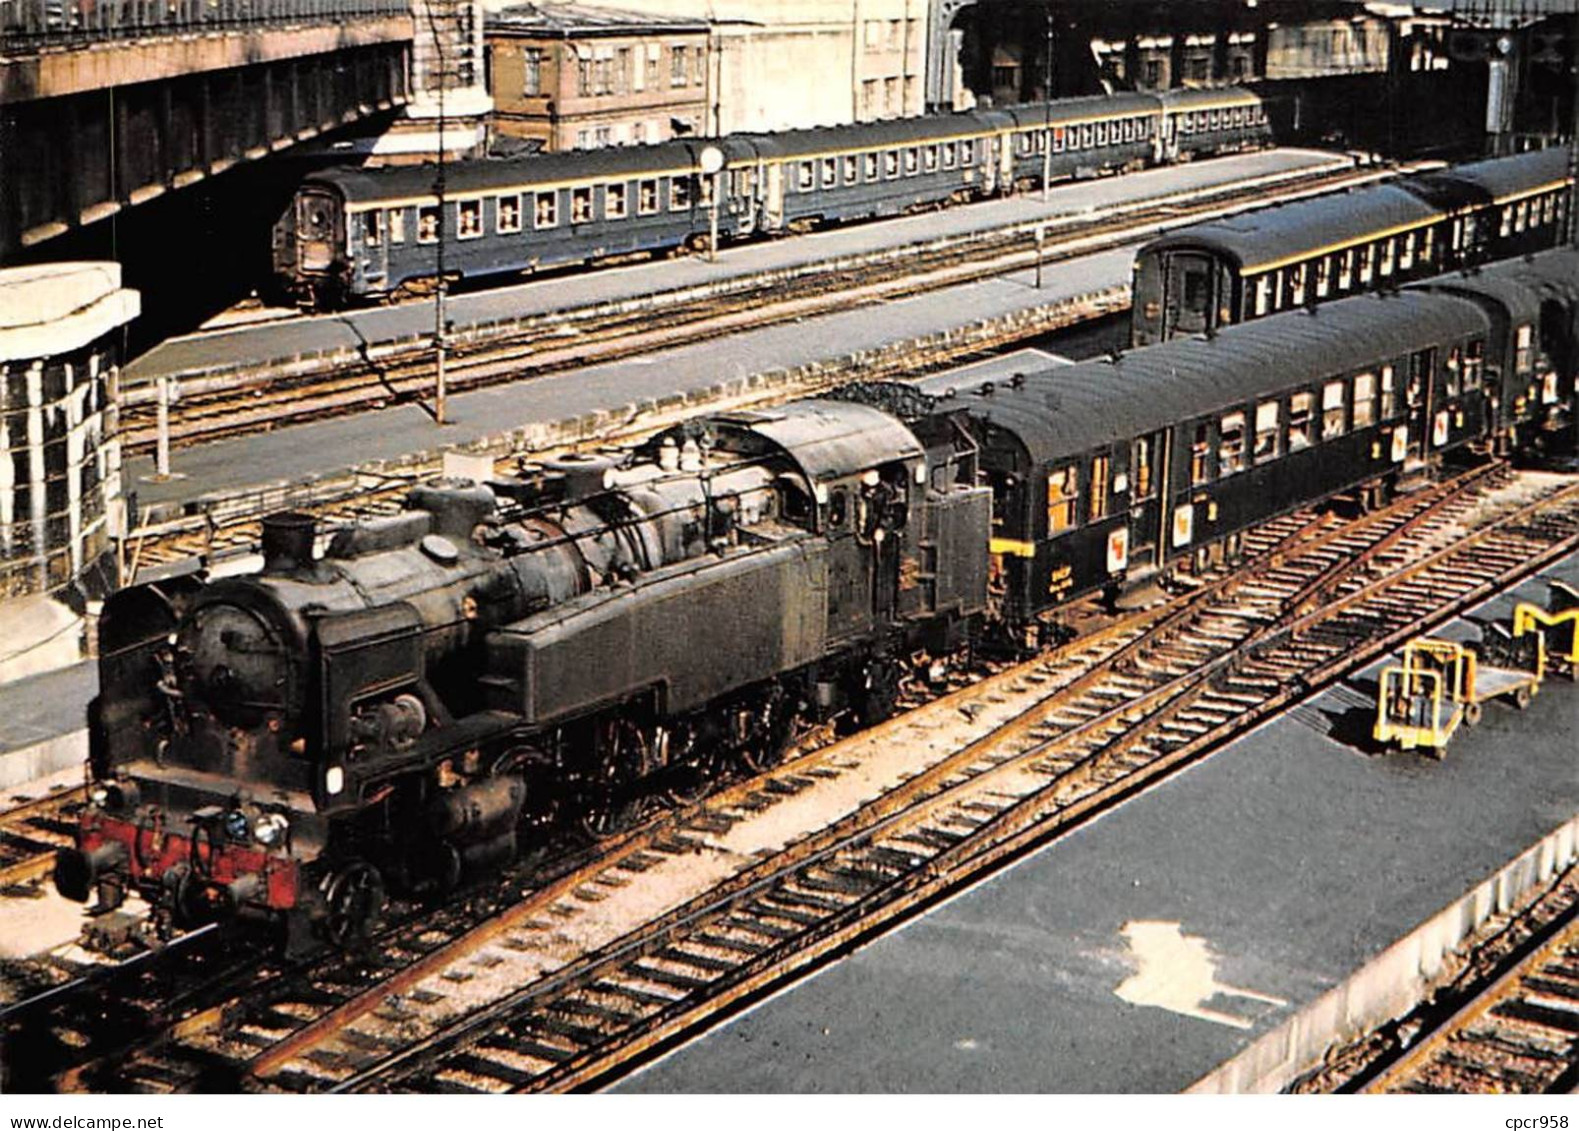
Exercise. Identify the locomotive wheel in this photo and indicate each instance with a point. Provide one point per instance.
(353, 898)
(690, 779)
(603, 817)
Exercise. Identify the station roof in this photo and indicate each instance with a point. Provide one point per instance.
(1060, 412)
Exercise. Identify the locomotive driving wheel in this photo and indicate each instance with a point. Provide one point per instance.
(353, 899)
(769, 734)
(611, 803)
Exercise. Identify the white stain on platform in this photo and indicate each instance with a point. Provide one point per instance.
(1177, 972)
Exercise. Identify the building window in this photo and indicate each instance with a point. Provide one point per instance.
(622, 71)
(1096, 497)
(698, 67)
(1200, 453)
(470, 226)
(428, 223)
(1268, 439)
(532, 71)
(869, 98)
(1332, 416)
(679, 194)
(677, 66)
(1299, 406)
(581, 205)
(1524, 349)
(1364, 400)
(546, 210)
(397, 225)
(373, 228)
(507, 213)
(1062, 494)
(614, 202)
(1231, 444)
(647, 198)
(584, 78)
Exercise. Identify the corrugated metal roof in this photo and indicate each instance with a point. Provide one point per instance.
(1060, 412)
(569, 20)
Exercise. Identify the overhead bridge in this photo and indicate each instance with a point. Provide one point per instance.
(108, 103)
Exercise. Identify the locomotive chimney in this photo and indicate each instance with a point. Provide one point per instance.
(288, 541)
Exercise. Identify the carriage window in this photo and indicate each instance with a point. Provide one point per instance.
(470, 225)
(1453, 381)
(1507, 221)
(373, 228)
(1062, 493)
(1332, 416)
(1474, 363)
(1216, 120)
(647, 198)
(890, 162)
(1087, 135)
(804, 176)
(838, 509)
(1364, 400)
(1346, 270)
(912, 161)
(679, 194)
(1058, 139)
(397, 225)
(1367, 259)
(830, 172)
(428, 223)
(852, 169)
(929, 159)
(869, 160)
(1323, 276)
(1279, 292)
(1299, 406)
(1298, 276)
(1096, 497)
(1389, 394)
(1140, 468)
(1522, 216)
(1524, 349)
(967, 152)
(1269, 443)
(1101, 133)
(1389, 252)
(1428, 245)
(507, 213)
(948, 154)
(1187, 123)
(580, 205)
(614, 202)
(1263, 294)
(1231, 444)
(546, 213)
(1406, 251)
(1200, 449)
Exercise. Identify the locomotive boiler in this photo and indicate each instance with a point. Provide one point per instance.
(497, 661)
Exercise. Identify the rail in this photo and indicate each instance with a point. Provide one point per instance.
(28, 26)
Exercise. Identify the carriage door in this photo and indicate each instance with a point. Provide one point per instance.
(1145, 475)
(315, 228)
(1419, 397)
(773, 196)
(1188, 301)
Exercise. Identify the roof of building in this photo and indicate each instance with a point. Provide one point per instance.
(576, 21)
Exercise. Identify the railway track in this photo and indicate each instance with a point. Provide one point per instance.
(230, 404)
(32, 830)
(705, 908)
(1519, 1034)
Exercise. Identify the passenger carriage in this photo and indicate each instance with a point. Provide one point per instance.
(1087, 136)
(1259, 263)
(1106, 472)
(1199, 122)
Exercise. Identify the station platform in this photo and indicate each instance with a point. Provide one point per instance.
(259, 344)
(342, 443)
(1148, 948)
(42, 721)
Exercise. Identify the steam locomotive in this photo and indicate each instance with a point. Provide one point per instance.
(439, 689)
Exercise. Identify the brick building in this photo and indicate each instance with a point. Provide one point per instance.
(577, 77)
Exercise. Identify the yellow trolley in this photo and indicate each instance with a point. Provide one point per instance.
(1443, 684)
